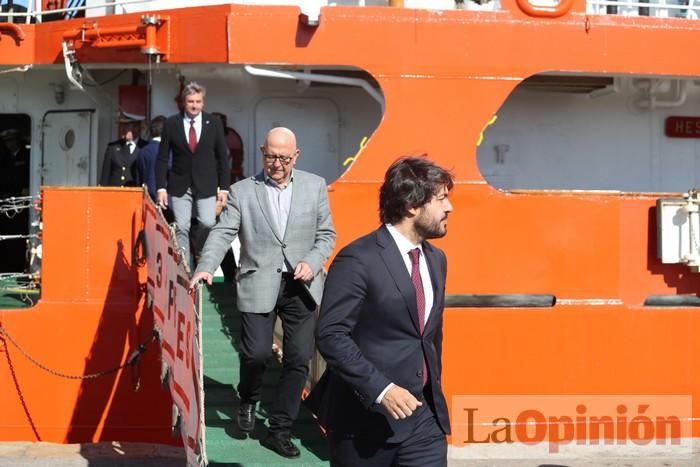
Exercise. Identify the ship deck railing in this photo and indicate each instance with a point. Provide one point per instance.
(30, 11)
(26, 11)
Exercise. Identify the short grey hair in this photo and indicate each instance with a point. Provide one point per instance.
(194, 87)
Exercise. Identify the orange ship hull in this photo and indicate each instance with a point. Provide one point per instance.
(444, 75)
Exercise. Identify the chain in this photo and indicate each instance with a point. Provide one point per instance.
(131, 361)
(19, 391)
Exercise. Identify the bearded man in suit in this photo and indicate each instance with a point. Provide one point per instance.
(200, 171)
(380, 330)
(283, 222)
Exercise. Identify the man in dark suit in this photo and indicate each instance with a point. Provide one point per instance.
(200, 171)
(282, 219)
(380, 330)
(146, 159)
(119, 162)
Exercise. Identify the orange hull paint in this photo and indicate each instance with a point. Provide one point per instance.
(89, 319)
(443, 75)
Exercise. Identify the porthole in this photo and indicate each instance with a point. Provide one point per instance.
(67, 140)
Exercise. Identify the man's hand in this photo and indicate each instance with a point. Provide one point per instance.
(221, 197)
(199, 277)
(400, 403)
(218, 207)
(162, 198)
(303, 272)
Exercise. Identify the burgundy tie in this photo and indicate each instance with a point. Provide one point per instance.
(192, 138)
(420, 297)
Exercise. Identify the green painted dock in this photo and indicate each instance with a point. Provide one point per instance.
(226, 445)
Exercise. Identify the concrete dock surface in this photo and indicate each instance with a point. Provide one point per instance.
(112, 454)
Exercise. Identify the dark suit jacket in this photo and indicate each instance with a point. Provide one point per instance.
(368, 333)
(146, 166)
(118, 165)
(206, 169)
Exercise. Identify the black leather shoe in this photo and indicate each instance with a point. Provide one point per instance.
(281, 443)
(245, 418)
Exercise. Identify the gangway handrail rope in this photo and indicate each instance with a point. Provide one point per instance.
(18, 236)
(12, 206)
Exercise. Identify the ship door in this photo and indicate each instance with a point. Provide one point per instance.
(66, 147)
(316, 125)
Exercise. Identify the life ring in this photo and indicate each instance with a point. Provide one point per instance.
(12, 28)
(563, 7)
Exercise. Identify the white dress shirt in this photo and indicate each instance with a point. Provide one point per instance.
(405, 245)
(280, 199)
(197, 126)
(186, 122)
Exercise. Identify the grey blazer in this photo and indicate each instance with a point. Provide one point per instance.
(309, 237)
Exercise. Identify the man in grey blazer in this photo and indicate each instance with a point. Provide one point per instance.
(283, 222)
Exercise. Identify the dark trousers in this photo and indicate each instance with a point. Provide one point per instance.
(426, 446)
(296, 309)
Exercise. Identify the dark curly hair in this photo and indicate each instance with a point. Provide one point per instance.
(410, 183)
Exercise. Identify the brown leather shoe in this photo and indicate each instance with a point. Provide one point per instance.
(281, 443)
(245, 418)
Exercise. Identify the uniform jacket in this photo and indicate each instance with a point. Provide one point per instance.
(118, 165)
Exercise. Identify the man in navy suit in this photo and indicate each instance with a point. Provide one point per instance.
(200, 172)
(146, 158)
(380, 330)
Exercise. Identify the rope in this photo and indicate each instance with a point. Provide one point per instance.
(131, 361)
(19, 391)
(17, 276)
(13, 205)
(22, 284)
(18, 236)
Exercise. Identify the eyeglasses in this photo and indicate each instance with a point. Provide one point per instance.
(271, 158)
